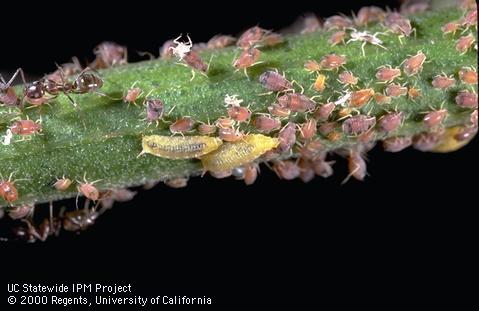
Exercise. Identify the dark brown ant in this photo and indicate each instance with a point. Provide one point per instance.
(82, 219)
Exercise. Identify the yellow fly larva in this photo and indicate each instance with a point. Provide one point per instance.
(231, 155)
(176, 147)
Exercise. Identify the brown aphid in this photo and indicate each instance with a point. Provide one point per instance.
(166, 50)
(356, 165)
(188, 56)
(426, 141)
(468, 75)
(398, 24)
(368, 14)
(337, 22)
(358, 124)
(413, 92)
(337, 37)
(177, 183)
(272, 39)
(279, 111)
(443, 82)
(465, 133)
(266, 124)
(8, 191)
(466, 99)
(194, 60)
(287, 170)
(88, 189)
(396, 144)
(109, 54)
(347, 78)
(320, 83)
(25, 127)
(62, 184)
(391, 121)
(464, 43)
(312, 66)
(273, 81)
(229, 134)
(250, 37)
(224, 122)
(238, 113)
(308, 129)
(287, 137)
(182, 125)
(296, 102)
(306, 170)
(413, 64)
(382, 99)
(332, 61)
(250, 173)
(220, 41)
(312, 150)
(387, 73)
(450, 27)
(435, 118)
(324, 111)
(396, 90)
(247, 58)
(206, 129)
(360, 98)
(154, 110)
(19, 212)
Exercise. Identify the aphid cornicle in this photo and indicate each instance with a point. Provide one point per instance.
(231, 155)
(177, 147)
(396, 144)
(273, 81)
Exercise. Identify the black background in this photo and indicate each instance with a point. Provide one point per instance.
(275, 242)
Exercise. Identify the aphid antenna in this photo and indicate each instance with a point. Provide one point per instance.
(149, 54)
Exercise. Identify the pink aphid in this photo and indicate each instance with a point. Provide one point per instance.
(347, 78)
(322, 167)
(224, 122)
(466, 133)
(468, 75)
(324, 111)
(272, 39)
(306, 170)
(312, 149)
(132, 95)
(250, 37)
(206, 129)
(466, 99)
(387, 73)
(473, 118)
(398, 24)
(469, 19)
(435, 118)
(25, 127)
(220, 41)
(89, 190)
(287, 137)
(308, 129)
(287, 170)
(62, 184)
(327, 128)
(337, 22)
(154, 110)
(273, 81)
(279, 111)
(250, 175)
(166, 50)
(110, 54)
(337, 37)
(332, 61)
(396, 90)
(358, 124)
(443, 82)
(413, 64)
(229, 134)
(391, 121)
(238, 113)
(357, 165)
(396, 144)
(266, 124)
(464, 43)
(182, 125)
(450, 27)
(426, 141)
(247, 58)
(9, 97)
(368, 14)
(296, 102)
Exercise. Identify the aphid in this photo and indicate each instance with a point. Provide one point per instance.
(279, 111)
(250, 175)
(334, 136)
(223, 122)
(229, 134)
(25, 127)
(413, 64)
(369, 14)
(306, 171)
(387, 73)
(320, 83)
(347, 78)
(413, 92)
(358, 124)
(396, 144)
(65, 70)
(272, 39)
(132, 95)
(337, 37)
(469, 19)
(185, 54)
(306, 23)
(296, 102)
(367, 137)
(466, 99)
(323, 168)
(435, 118)
(248, 58)
(109, 54)
(88, 189)
(62, 184)
(360, 98)
(250, 37)
(473, 118)
(396, 90)
(337, 22)
(266, 124)
(332, 61)
(324, 111)
(366, 37)
(450, 27)
(222, 174)
(182, 125)
(391, 121)
(312, 149)
(117, 195)
(308, 129)
(7, 93)
(312, 66)
(166, 50)
(287, 170)
(443, 82)
(154, 110)
(287, 137)
(238, 113)
(464, 43)
(345, 112)
(326, 128)
(426, 141)
(177, 183)
(231, 155)
(20, 212)
(465, 133)
(468, 75)
(382, 99)
(398, 24)
(356, 166)
(220, 41)
(8, 191)
(178, 147)
(273, 81)
(414, 7)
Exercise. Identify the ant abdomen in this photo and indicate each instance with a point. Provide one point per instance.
(87, 82)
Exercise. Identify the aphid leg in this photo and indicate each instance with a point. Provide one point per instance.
(300, 86)
(362, 48)
(192, 75)
(245, 70)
